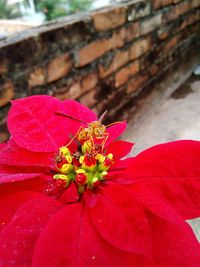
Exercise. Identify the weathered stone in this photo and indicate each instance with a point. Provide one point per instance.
(119, 60)
(58, 68)
(69, 92)
(109, 18)
(171, 43)
(92, 51)
(124, 74)
(138, 10)
(135, 83)
(3, 68)
(6, 93)
(161, 3)
(89, 81)
(195, 3)
(140, 47)
(89, 99)
(125, 35)
(37, 77)
(170, 14)
(132, 31)
(184, 7)
(150, 24)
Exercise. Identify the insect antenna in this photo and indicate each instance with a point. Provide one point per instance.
(70, 117)
(103, 116)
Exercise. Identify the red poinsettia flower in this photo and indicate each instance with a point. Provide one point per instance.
(69, 199)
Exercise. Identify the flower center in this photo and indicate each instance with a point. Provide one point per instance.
(88, 165)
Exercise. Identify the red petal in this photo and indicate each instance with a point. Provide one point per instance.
(115, 131)
(153, 201)
(13, 154)
(174, 244)
(33, 124)
(70, 239)
(121, 220)
(79, 115)
(3, 146)
(119, 149)
(17, 239)
(17, 173)
(70, 195)
(78, 111)
(173, 170)
(11, 202)
(34, 184)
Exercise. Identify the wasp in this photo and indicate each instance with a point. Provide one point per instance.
(94, 131)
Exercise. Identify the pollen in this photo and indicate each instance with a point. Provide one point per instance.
(87, 167)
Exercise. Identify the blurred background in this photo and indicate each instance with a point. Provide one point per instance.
(18, 15)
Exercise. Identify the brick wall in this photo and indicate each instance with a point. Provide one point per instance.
(104, 59)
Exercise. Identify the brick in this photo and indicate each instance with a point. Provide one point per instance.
(58, 68)
(120, 59)
(171, 14)
(124, 74)
(195, 3)
(163, 33)
(125, 34)
(6, 93)
(193, 18)
(184, 7)
(176, 1)
(89, 99)
(150, 24)
(138, 10)
(171, 43)
(153, 69)
(77, 88)
(157, 4)
(119, 38)
(109, 18)
(92, 51)
(37, 77)
(3, 68)
(140, 47)
(161, 3)
(132, 31)
(89, 81)
(73, 91)
(136, 83)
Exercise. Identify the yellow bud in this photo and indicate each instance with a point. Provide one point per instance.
(66, 168)
(95, 179)
(110, 156)
(100, 158)
(81, 159)
(87, 146)
(104, 173)
(60, 176)
(80, 171)
(64, 150)
(69, 158)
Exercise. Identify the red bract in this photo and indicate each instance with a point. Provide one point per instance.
(68, 199)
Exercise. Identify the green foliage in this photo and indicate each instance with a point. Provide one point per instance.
(78, 5)
(58, 8)
(7, 12)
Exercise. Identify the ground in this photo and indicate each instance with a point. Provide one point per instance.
(168, 115)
